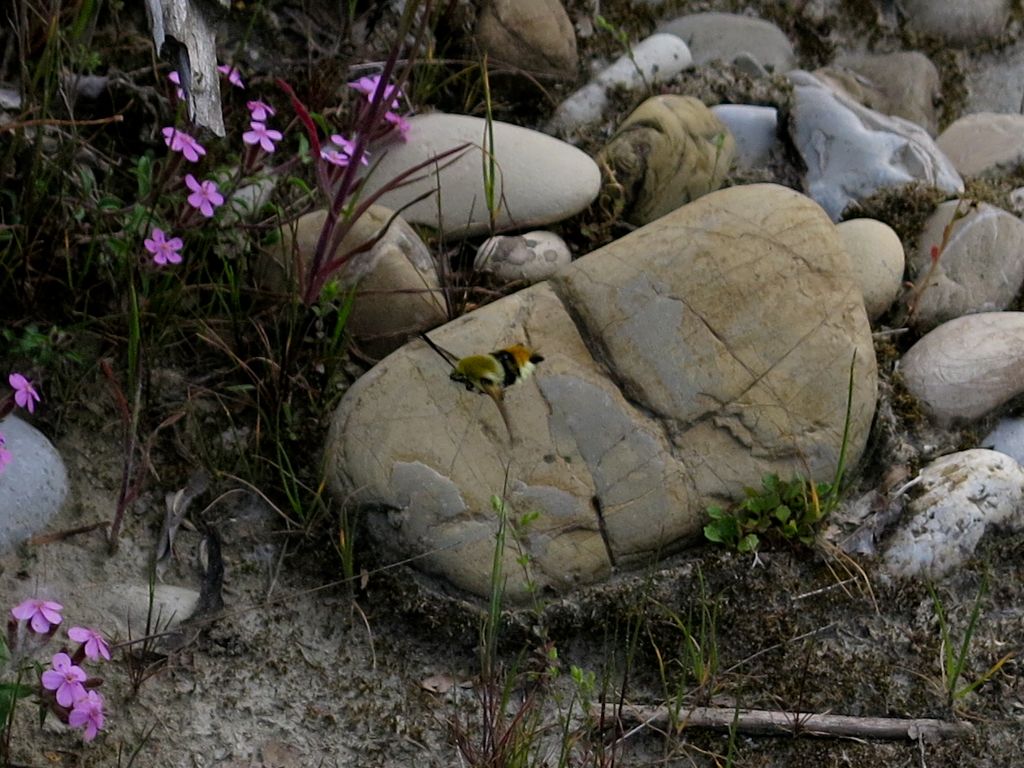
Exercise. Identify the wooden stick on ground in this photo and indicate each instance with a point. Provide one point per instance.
(778, 723)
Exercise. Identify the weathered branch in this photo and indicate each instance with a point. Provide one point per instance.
(778, 723)
(187, 27)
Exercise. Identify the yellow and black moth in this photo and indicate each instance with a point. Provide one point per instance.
(491, 374)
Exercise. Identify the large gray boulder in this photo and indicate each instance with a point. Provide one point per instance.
(682, 363)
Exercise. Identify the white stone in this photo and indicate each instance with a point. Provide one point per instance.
(655, 59)
(876, 260)
(965, 368)
(851, 151)
(33, 486)
(962, 495)
(540, 180)
(755, 129)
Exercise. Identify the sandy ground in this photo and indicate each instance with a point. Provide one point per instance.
(289, 673)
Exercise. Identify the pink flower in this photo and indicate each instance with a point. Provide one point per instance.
(233, 75)
(5, 455)
(400, 123)
(25, 394)
(262, 135)
(40, 614)
(182, 142)
(66, 679)
(368, 86)
(175, 78)
(94, 643)
(88, 712)
(260, 110)
(205, 195)
(341, 152)
(164, 251)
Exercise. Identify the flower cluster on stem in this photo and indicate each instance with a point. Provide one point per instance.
(23, 395)
(65, 687)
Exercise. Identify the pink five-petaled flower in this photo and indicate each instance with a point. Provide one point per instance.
(175, 78)
(25, 394)
(368, 86)
(182, 142)
(5, 455)
(88, 712)
(262, 135)
(341, 152)
(400, 123)
(233, 75)
(260, 110)
(164, 251)
(205, 195)
(40, 614)
(66, 679)
(93, 642)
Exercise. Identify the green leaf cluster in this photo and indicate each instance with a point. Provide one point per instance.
(788, 510)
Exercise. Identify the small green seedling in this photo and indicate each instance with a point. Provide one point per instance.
(790, 510)
(953, 657)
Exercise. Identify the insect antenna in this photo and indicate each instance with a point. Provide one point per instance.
(447, 356)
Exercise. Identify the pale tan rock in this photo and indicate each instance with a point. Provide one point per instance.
(398, 291)
(539, 179)
(983, 142)
(876, 260)
(967, 367)
(980, 269)
(682, 363)
(531, 35)
(669, 151)
(961, 24)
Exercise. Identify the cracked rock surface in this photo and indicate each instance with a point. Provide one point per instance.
(682, 363)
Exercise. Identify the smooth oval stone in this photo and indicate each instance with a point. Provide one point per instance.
(980, 269)
(957, 23)
(535, 36)
(726, 36)
(967, 367)
(541, 180)
(653, 60)
(876, 260)
(983, 142)
(398, 292)
(531, 257)
(33, 486)
(962, 495)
